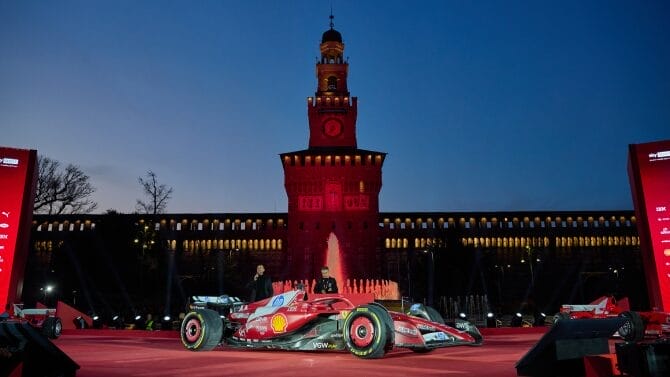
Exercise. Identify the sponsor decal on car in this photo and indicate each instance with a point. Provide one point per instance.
(407, 331)
(260, 320)
(462, 325)
(261, 329)
(324, 345)
(423, 327)
(278, 301)
(279, 323)
(436, 337)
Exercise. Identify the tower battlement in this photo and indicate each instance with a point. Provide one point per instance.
(332, 101)
(316, 159)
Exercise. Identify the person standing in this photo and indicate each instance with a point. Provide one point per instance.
(327, 283)
(261, 285)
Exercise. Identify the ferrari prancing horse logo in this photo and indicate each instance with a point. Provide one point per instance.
(278, 323)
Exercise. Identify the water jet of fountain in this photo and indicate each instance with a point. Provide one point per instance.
(334, 261)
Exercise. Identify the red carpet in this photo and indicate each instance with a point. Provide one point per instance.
(124, 353)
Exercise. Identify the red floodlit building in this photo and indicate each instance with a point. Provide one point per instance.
(333, 186)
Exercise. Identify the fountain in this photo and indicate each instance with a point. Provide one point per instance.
(381, 289)
(334, 262)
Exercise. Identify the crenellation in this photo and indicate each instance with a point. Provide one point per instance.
(332, 101)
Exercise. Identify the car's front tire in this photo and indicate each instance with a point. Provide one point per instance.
(201, 330)
(366, 332)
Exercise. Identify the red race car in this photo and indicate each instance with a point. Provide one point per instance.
(637, 325)
(291, 321)
(43, 319)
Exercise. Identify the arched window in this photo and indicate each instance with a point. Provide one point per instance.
(332, 83)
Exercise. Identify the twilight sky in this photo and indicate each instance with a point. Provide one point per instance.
(480, 105)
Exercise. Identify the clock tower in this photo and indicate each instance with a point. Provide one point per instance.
(332, 187)
(332, 111)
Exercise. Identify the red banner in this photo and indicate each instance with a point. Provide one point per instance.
(17, 171)
(649, 173)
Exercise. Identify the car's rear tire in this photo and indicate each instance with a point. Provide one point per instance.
(52, 327)
(366, 332)
(632, 329)
(201, 330)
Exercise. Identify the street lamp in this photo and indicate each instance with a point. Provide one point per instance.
(431, 273)
(529, 251)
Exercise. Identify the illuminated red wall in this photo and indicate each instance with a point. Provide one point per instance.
(17, 192)
(649, 173)
(340, 196)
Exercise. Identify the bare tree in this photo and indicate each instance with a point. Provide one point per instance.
(62, 191)
(158, 195)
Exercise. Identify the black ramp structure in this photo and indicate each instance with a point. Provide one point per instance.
(561, 351)
(24, 346)
(644, 359)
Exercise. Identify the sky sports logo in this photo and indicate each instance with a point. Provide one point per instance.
(659, 156)
(9, 162)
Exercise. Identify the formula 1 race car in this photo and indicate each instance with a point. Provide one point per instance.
(637, 324)
(45, 320)
(291, 321)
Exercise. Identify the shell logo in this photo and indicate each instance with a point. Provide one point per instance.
(279, 323)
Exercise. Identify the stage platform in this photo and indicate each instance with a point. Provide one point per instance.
(123, 353)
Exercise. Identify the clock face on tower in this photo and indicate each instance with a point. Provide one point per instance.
(332, 127)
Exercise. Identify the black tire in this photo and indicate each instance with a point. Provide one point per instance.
(388, 321)
(201, 330)
(366, 332)
(52, 327)
(632, 330)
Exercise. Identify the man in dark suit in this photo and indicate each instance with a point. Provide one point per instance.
(327, 283)
(261, 285)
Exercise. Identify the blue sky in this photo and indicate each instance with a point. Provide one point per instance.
(480, 105)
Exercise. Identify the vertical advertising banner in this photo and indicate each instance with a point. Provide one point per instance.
(649, 174)
(17, 192)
